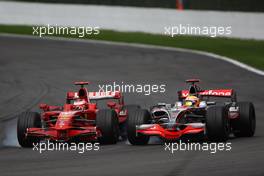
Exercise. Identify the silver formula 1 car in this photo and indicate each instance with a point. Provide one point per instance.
(196, 114)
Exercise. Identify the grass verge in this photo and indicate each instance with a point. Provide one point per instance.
(250, 52)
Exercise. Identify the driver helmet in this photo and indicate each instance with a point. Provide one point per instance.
(192, 101)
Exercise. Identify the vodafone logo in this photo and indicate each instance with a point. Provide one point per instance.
(225, 93)
(185, 93)
(220, 92)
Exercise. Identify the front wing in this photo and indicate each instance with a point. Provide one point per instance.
(90, 133)
(169, 133)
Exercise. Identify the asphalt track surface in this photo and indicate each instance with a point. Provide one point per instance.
(36, 70)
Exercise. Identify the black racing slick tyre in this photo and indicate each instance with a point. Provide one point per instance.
(217, 124)
(107, 122)
(27, 120)
(138, 117)
(123, 127)
(245, 125)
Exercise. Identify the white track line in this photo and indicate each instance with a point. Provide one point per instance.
(212, 55)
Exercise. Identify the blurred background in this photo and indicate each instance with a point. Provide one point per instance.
(223, 5)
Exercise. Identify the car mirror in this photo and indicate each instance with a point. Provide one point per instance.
(111, 104)
(43, 106)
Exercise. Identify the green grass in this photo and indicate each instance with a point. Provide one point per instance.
(250, 52)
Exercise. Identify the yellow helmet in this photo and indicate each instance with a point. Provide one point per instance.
(191, 101)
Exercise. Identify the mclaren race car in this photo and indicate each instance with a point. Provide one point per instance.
(195, 115)
(79, 119)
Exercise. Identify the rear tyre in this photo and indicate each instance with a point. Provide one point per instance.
(217, 124)
(131, 108)
(138, 117)
(245, 125)
(123, 127)
(107, 122)
(27, 120)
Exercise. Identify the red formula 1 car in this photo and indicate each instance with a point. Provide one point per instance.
(79, 119)
(194, 116)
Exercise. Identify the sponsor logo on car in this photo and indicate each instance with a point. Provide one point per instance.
(223, 92)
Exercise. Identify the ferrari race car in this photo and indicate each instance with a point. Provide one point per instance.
(79, 119)
(195, 115)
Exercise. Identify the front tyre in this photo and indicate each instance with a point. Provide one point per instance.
(217, 124)
(138, 117)
(27, 120)
(107, 122)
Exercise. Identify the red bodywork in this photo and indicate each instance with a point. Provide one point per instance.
(77, 118)
(172, 131)
(158, 130)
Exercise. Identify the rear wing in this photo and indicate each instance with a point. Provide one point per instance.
(104, 95)
(96, 95)
(226, 93)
